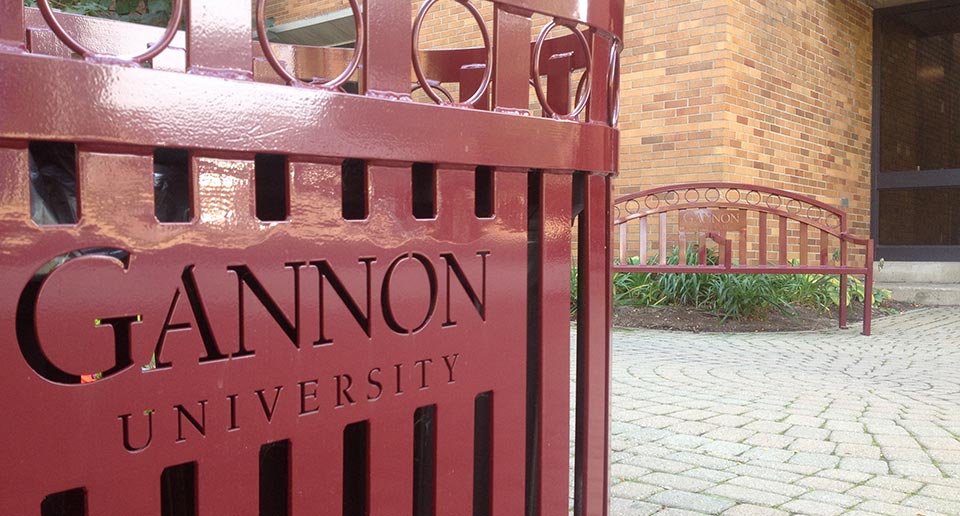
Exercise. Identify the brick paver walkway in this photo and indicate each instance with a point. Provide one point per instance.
(820, 423)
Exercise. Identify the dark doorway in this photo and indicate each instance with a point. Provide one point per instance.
(916, 132)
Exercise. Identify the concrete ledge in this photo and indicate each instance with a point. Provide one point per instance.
(918, 272)
(939, 294)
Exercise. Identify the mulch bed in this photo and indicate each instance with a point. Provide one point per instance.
(683, 318)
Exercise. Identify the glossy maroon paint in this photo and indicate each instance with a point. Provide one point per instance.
(593, 354)
(663, 205)
(294, 330)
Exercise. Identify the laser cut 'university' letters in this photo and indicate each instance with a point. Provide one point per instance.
(303, 398)
(189, 291)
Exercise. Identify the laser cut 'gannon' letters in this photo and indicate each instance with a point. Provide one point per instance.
(712, 220)
(360, 299)
(32, 348)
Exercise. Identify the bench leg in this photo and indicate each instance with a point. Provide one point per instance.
(868, 290)
(867, 303)
(843, 301)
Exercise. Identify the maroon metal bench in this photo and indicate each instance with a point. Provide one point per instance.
(754, 229)
(353, 304)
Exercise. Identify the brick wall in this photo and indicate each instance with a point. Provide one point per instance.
(674, 90)
(802, 99)
(773, 93)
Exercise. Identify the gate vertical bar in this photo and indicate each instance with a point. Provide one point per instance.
(597, 109)
(843, 283)
(391, 466)
(133, 183)
(387, 43)
(511, 91)
(554, 346)
(593, 355)
(558, 84)
(218, 39)
(644, 244)
(471, 78)
(762, 252)
(12, 32)
(508, 443)
(14, 189)
(223, 487)
(867, 289)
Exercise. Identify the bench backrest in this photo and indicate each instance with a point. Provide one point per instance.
(749, 225)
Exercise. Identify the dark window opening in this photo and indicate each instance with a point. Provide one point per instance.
(355, 469)
(178, 490)
(172, 198)
(424, 191)
(353, 182)
(534, 270)
(271, 185)
(275, 478)
(53, 183)
(483, 202)
(65, 503)
(482, 448)
(424, 460)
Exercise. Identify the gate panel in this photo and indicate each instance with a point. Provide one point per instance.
(347, 334)
(228, 320)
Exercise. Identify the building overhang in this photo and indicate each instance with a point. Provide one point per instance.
(333, 29)
(876, 4)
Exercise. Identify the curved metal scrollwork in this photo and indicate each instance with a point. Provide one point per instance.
(153, 51)
(332, 84)
(587, 73)
(415, 52)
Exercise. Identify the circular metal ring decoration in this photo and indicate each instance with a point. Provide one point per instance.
(793, 207)
(292, 80)
(150, 53)
(686, 195)
(646, 202)
(613, 83)
(587, 73)
(706, 195)
(488, 48)
(779, 201)
(632, 206)
(819, 213)
(727, 196)
(616, 213)
(671, 194)
(832, 221)
(436, 84)
(754, 202)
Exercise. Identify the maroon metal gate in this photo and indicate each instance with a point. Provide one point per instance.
(227, 295)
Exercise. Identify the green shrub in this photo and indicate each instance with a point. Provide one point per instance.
(730, 295)
(146, 12)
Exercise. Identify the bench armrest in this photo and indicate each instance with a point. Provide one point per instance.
(855, 239)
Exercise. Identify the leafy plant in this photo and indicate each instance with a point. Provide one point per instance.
(145, 12)
(574, 289)
(856, 291)
(733, 295)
